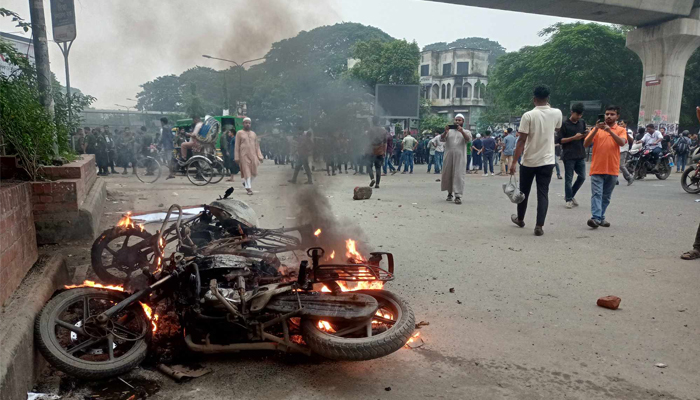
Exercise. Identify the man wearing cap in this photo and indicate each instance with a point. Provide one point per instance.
(455, 163)
(247, 154)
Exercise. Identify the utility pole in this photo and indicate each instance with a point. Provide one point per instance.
(41, 54)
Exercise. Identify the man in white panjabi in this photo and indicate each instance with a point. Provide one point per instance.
(247, 154)
(455, 161)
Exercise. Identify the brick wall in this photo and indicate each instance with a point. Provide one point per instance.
(18, 250)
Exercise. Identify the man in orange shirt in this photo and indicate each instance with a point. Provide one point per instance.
(607, 138)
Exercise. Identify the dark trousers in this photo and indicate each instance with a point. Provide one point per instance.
(303, 162)
(571, 166)
(543, 175)
(696, 245)
(488, 162)
(378, 162)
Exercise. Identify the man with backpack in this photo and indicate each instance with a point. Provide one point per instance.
(682, 147)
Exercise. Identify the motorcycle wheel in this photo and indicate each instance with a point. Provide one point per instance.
(666, 171)
(689, 184)
(69, 337)
(147, 170)
(119, 253)
(349, 342)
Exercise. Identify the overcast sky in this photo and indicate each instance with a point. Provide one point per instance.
(122, 44)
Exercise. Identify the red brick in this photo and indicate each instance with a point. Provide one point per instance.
(46, 199)
(611, 302)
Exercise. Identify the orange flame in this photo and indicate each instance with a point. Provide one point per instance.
(325, 326)
(127, 222)
(413, 338)
(95, 285)
(352, 252)
(151, 316)
(352, 286)
(333, 255)
(318, 232)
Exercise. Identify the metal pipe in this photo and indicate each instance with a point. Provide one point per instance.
(287, 345)
(215, 292)
(134, 297)
(228, 348)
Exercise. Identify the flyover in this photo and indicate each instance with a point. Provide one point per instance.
(666, 35)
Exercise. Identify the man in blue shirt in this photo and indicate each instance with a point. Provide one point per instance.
(509, 142)
(489, 144)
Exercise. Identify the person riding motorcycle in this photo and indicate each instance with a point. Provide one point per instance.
(652, 141)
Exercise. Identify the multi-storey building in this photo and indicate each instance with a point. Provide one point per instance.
(455, 82)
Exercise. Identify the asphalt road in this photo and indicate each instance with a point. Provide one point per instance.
(522, 322)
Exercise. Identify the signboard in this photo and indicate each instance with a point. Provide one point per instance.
(397, 101)
(63, 20)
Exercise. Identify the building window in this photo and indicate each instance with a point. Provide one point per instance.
(435, 92)
(447, 69)
(458, 92)
(467, 91)
(424, 70)
(462, 68)
(449, 91)
(442, 92)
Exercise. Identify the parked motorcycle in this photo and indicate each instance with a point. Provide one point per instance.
(228, 303)
(690, 180)
(640, 163)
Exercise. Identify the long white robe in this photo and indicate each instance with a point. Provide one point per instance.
(247, 153)
(455, 162)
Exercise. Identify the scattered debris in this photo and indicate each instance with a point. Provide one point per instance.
(161, 205)
(180, 372)
(660, 365)
(452, 290)
(459, 302)
(415, 341)
(415, 204)
(175, 194)
(652, 271)
(422, 324)
(611, 302)
(437, 180)
(42, 396)
(512, 249)
(362, 193)
(697, 200)
(388, 388)
(682, 309)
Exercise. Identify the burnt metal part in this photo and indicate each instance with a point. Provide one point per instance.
(351, 272)
(264, 294)
(332, 307)
(215, 291)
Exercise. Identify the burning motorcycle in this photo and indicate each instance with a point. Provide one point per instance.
(690, 180)
(225, 226)
(228, 303)
(640, 163)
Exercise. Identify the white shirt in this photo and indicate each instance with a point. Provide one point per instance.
(439, 144)
(649, 139)
(630, 135)
(540, 124)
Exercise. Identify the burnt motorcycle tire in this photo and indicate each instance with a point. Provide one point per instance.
(685, 178)
(99, 245)
(360, 349)
(45, 340)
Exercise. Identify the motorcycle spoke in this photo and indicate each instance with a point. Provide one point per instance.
(112, 252)
(86, 308)
(69, 326)
(110, 346)
(124, 331)
(84, 345)
(384, 320)
(347, 331)
(126, 241)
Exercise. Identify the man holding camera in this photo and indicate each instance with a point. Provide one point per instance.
(607, 137)
(571, 136)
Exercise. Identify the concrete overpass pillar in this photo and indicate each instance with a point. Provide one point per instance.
(664, 50)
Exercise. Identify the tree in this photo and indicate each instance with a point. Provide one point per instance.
(394, 62)
(161, 94)
(571, 62)
(471, 43)
(193, 102)
(691, 92)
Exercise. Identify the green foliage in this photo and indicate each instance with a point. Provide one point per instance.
(579, 61)
(433, 123)
(193, 102)
(21, 23)
(395, 62)
(63, 108)
(471, 43)
(160, 94)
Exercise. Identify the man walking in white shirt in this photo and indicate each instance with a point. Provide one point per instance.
(536, 145)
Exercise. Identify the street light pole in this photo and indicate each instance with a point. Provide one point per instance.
(128, 120)
(240, 67)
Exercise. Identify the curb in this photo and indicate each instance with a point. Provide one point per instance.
(20, 363)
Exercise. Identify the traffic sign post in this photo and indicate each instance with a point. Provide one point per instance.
(64, 33)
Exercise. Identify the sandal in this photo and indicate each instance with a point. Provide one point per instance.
(449, 197)
(458, 200)
(250, 192)
(691, 255)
